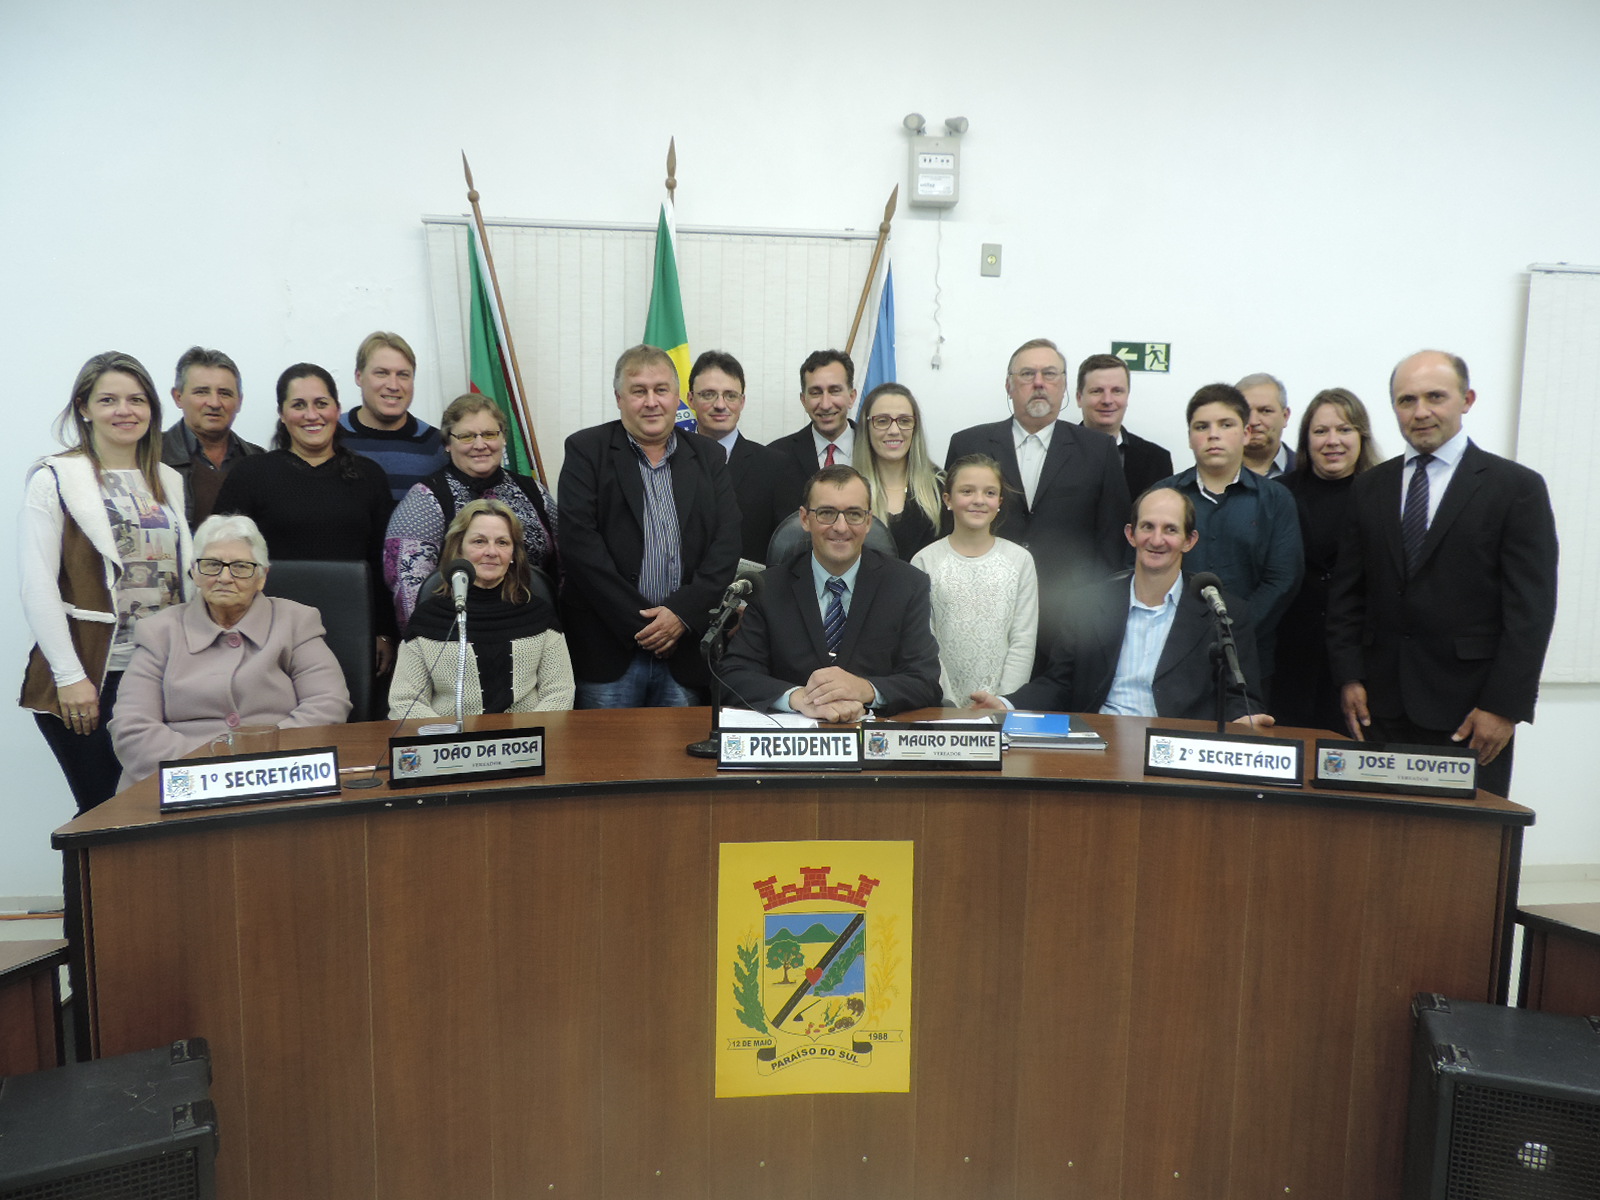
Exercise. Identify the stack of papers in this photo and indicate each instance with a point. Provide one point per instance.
(1050, 731)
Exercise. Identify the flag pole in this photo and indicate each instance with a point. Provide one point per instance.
(872, 271)
(505, 324)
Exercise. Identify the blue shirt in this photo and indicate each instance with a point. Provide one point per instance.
(1132, 691)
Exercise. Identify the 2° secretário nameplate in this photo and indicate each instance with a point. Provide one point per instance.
(466, 757)
(1233, 757)
(1391, 767)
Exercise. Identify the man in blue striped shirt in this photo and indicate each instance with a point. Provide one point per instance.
(1139, 644)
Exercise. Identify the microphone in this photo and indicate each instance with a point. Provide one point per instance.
(739, 587)
(1207, 586)
(461, 575)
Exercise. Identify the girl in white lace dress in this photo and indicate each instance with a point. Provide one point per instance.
(985, 590)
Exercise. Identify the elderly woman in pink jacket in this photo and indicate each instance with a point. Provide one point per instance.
(232, 657)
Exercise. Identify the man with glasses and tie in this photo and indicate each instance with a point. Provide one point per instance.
(839, 628)
(1444, 594)
(828, 394)
(766, 484)
(1074, 499)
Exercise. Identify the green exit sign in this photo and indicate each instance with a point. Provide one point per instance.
(1144, 356)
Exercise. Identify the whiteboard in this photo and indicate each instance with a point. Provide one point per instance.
(1558, 435)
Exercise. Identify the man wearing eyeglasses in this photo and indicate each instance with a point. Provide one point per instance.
(1075, 499)
(837, 629)
(766, 484)
(828, 394)
(649, 543)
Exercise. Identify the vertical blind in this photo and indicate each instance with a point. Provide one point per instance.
(576, 297)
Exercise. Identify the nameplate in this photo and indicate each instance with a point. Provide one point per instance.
(974, 747)
(1389, 767)
(249, 778)
(465, 757)
(1233, 757)
(789, 749)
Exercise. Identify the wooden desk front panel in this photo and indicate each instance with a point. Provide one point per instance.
(1114, 995)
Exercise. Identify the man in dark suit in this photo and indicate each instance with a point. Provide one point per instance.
(1444, 593)
(838, 629)
(828, 394)
(1264, 451)
(767, 484)
(1103, 386)
(649, 543)
(1141, 645)
(1074, 500)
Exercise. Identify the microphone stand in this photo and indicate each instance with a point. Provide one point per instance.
(1225, 661)
(712, 646)
(461, 670)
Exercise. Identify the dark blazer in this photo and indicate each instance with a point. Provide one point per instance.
(1084, 663)
(767, 485)
(801, 452)
(602, 544)
(888, 638)
(1470, 628)
(1143, 463)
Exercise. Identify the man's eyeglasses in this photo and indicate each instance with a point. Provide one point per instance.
(1048, 374)
(243, 569)
(852, 516)
(466, 439)
(905, 422)
(711, 397)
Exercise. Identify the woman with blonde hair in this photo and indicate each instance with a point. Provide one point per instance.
(102, 543)
(518, 660)
(1335, 446)
(904, 484)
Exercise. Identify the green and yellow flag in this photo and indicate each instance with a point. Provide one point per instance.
(664, 326)
(489, 367)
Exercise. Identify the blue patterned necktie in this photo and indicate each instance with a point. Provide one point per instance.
(1414, 521)
(833, 618)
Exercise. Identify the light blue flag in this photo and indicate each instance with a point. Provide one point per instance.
(880, 366)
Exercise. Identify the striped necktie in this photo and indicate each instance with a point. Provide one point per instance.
(1414, 521)
(833, 618)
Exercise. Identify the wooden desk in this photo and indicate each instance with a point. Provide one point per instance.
(30, 1005)
(1561, 959)
(1123, 986)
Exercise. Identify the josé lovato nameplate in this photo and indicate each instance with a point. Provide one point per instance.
(244, 778)
(466, 757)
(1390, 767)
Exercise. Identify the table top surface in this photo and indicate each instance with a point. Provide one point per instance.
(603, 751)
(20, 956)
(1578, 918)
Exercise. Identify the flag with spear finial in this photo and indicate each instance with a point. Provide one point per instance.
(881, 362)
(664, 326)
(492, 359)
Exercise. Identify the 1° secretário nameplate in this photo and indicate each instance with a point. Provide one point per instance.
(466, 757)
(249, 778)
(1391, 767)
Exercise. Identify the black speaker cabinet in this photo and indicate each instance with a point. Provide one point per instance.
(1505, 1104)
(134, 1126)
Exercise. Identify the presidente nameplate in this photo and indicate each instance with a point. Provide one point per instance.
(249, 778)
(789, 749)
(974, 747)
(1239, 758)
(1391, 767)
(465, 757)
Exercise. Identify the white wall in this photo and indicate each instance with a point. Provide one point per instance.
(1266, 186)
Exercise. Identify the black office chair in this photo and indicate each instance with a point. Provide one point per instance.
(789, 539)
(340, 591)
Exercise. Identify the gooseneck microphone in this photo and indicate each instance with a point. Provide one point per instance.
(1208, 587)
